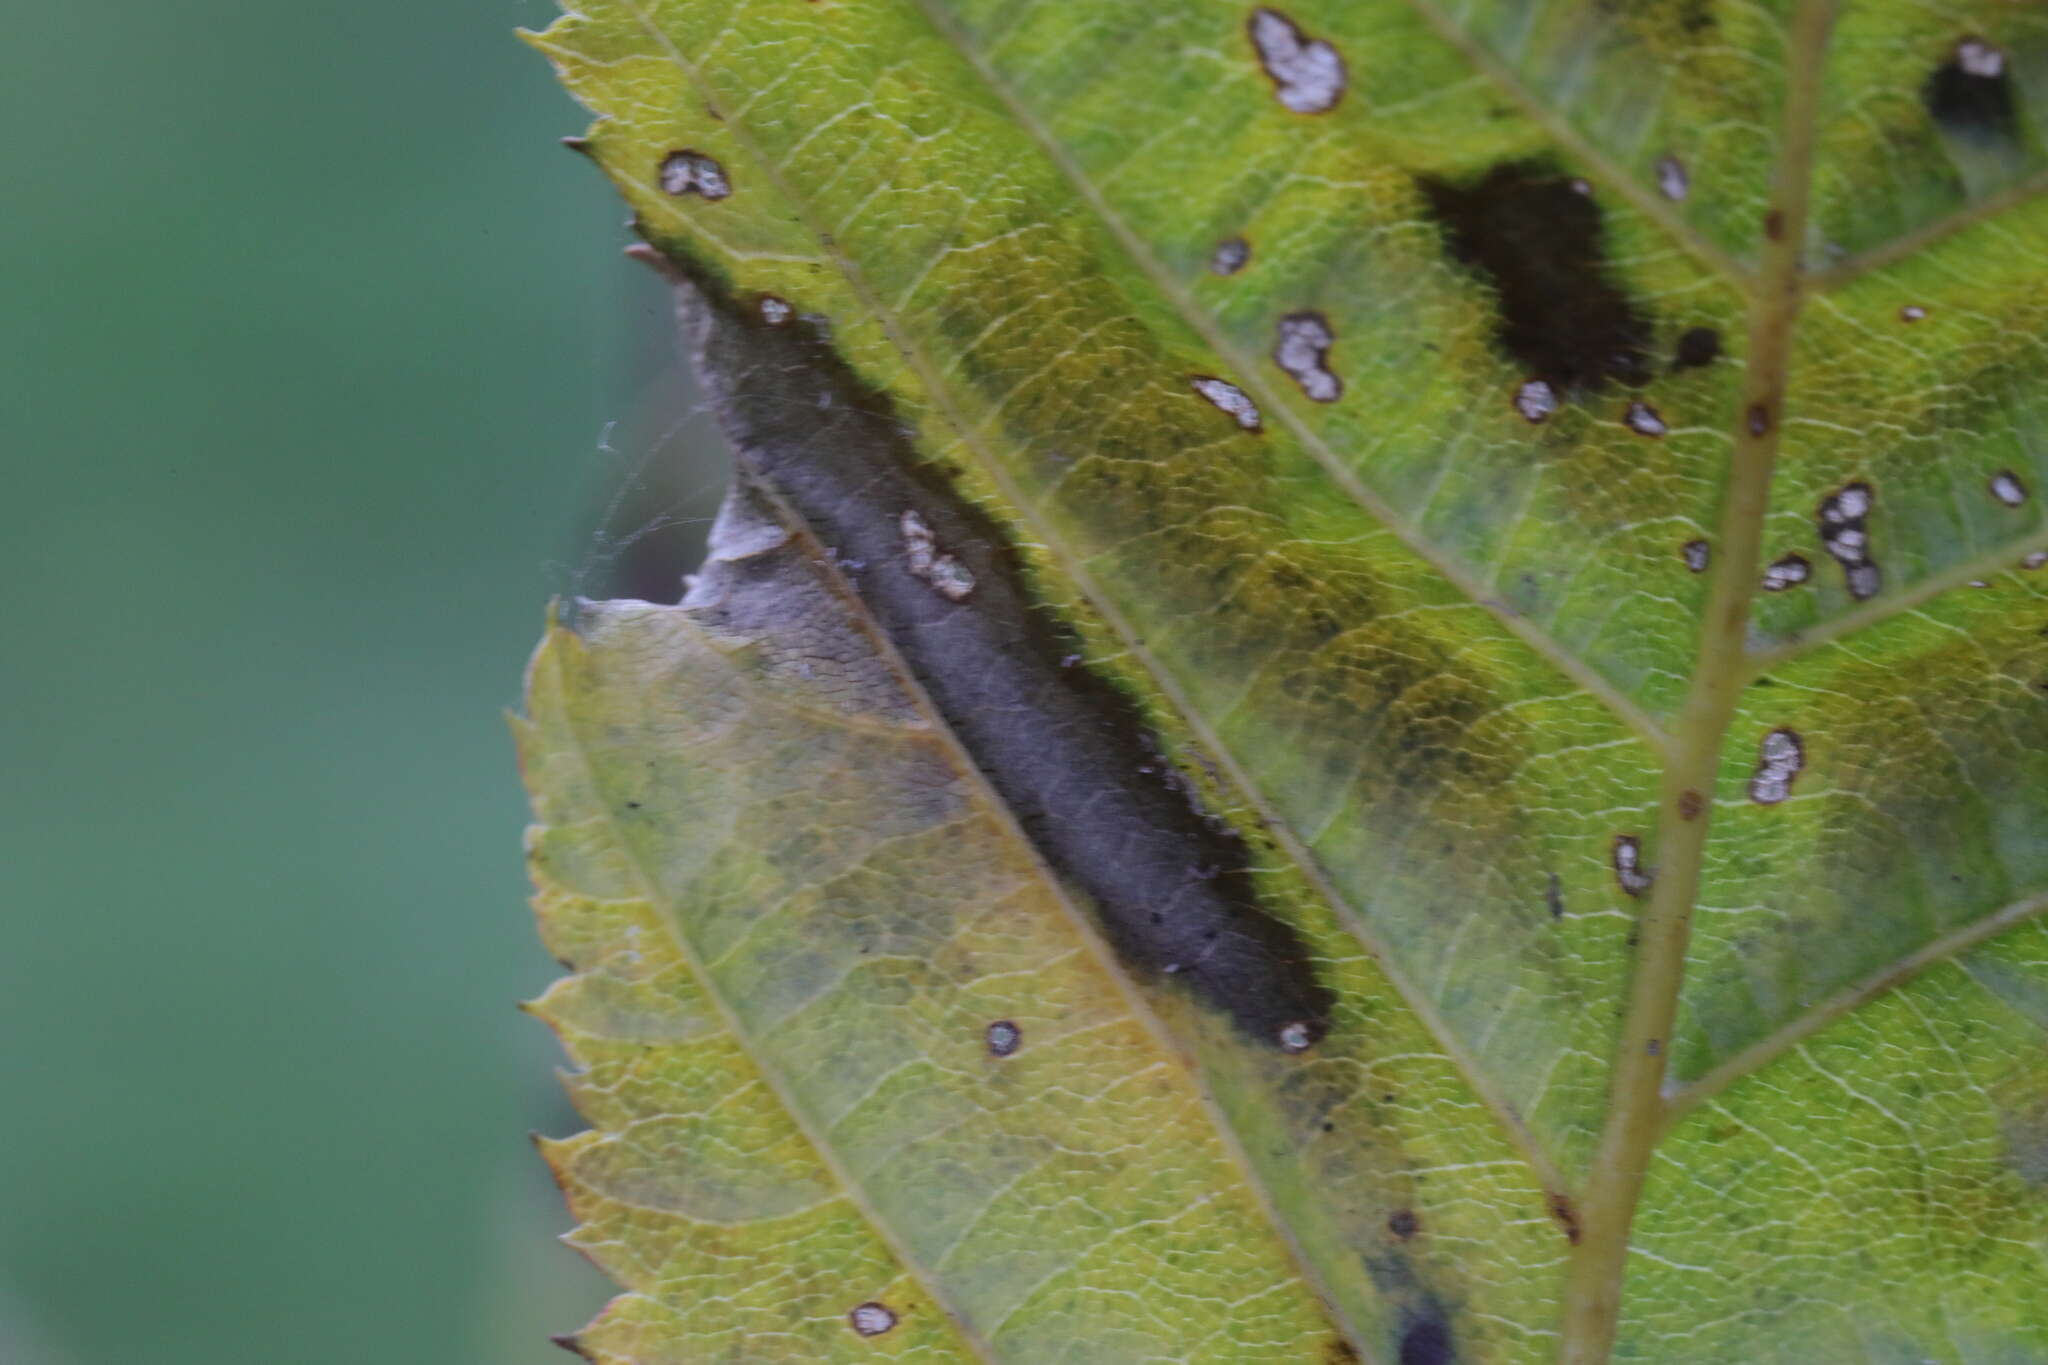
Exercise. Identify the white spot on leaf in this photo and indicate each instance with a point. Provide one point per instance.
(1302, 349)
(1697, 555)
(1643, 419)
(1979, 58)
(1229, 398)
(1003, 1038)
(1778, 760)
(1629, 872)
(775, 311)
(872, 1319)
(1788, 572)
(689, 172)
(948, 576)
(1912, 312)
(2007, 488)
(1230, 256)
(1297, 1036)
(1307, 74)
(1672, 179)
(1845, 535)
(1535, 400)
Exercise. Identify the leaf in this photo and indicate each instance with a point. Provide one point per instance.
(1375, 688)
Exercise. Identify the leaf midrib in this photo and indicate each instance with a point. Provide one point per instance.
(1638, 1113)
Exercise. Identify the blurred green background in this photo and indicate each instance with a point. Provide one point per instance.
(320, 364)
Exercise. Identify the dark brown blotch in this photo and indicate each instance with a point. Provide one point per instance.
(1970, 96)
(1540, 247)
(1697, 347)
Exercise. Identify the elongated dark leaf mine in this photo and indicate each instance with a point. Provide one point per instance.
(1067, 751)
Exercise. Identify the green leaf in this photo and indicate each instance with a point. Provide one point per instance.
(1375, 689)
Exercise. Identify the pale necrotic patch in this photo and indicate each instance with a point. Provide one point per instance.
(688, 172)
(1307, 74)
(1644, 420)
(1302, 349)
(1844, 522)
(1672, 178)
(1536, 400)
(947, 576)
(1787, 572)
(2007, 488)
(1698, 554)
(1778, 760)
(872, 1319)
(1627, 859)
(1228, 398)
(1230, 256)
(1003, 1038)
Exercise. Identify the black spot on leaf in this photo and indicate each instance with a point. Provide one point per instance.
(1697, 347)
(1540, 246)
(1970, 95)
(1403, 1223)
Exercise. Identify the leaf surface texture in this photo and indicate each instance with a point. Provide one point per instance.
(1503, 538)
